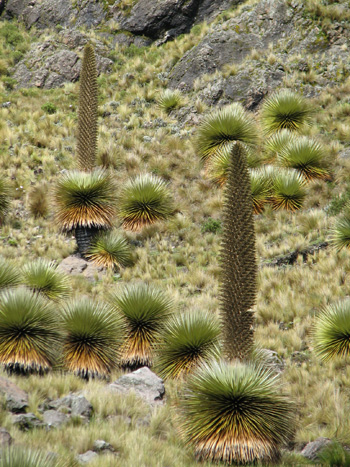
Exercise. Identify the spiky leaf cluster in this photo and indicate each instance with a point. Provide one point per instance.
(9, 274)
(169, 100)
(87, 113)
(223, 127)
(238, 261)
(144, 311)
(43, 277)
(85, 200)
(288, 190)
(186, 342)
(29, 332)
(93, 335)
(260, 183)
(340, 234)
(306, 156)
(235, 414)
(332, 331)
(143, 201)
(109, 249)
(285, 110)
(17, 456)
(277, 142)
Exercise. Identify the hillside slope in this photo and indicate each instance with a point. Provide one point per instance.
(242, 55)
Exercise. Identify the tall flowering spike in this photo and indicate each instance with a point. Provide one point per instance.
(87, 114)
(238, 260)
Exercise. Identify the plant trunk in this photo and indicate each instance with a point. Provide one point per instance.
(84, 237)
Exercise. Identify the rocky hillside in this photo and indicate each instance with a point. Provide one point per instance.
(214, 52)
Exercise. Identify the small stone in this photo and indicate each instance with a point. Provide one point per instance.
(5, 438)
(312, 449)
(102, 445)
(87, 457)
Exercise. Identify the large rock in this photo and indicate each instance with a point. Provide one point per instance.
(78, 266)
(154, 18)
(313, 449)
(54, 419)
(5, 438)
(16, 398)
(233, 41)
(51, 63)
(26, 421)
(50, 13)
(74, 404)
(144, 383)
(87, 457)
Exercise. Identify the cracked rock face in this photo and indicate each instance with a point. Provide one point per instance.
(51, 63)
(155, 18)
(50, 13)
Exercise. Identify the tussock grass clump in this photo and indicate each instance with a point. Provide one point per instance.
(4, 200)
(145, 311)
(9, 274)
(340, 234)
(38, 201)
(42, 277)
(235, 413)
(221, 128)
(29, 332)
(187, 341)
(110, 250)
(93, 336)
(332, 331)
(169, 100)
(288, 191)
(143, 201)
(85, 200)
(306, 156)
(17, 456)
(285, 110)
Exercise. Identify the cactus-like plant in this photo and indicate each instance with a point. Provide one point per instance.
(29, 332)
(87, 112)
(285, 110)
(238, 261)
(235, 413)
(4, 200)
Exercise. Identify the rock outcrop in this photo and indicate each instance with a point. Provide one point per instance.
(51, 13)
(154, 18)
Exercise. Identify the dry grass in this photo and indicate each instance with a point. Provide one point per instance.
(176, 255)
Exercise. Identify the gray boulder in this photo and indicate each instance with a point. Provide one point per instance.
(26, 421)
(5, 438)
(87, 457)
(54, 419)
(78, 266)
(16, 398)
(311, 450)
(154, 18)
(50, 13)
(146, 384)
(51, 63)
(268, 22)
(74, 404)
